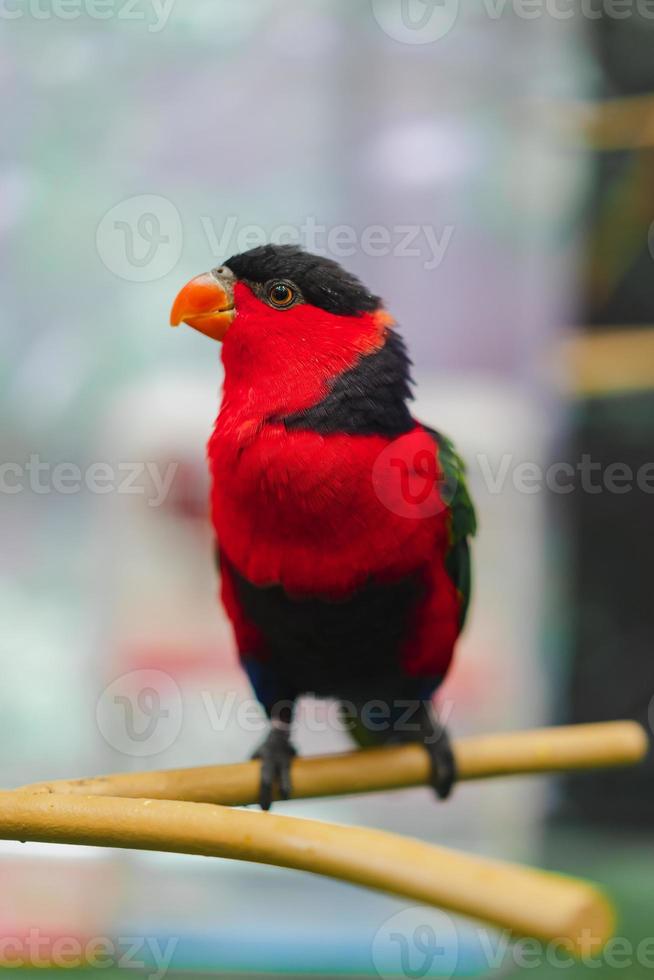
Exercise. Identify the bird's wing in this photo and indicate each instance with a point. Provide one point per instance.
(463, 520)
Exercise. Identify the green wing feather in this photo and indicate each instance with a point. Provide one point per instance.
(463, 520)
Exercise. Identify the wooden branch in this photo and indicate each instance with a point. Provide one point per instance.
(526, 901)
(616, 743)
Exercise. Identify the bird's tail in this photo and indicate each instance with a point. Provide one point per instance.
(382, 721)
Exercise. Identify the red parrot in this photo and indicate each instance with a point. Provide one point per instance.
(342, 523)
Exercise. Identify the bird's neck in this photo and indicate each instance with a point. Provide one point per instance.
(368, 398)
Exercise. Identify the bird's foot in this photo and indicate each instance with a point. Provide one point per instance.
(276, 753)
(443, 764)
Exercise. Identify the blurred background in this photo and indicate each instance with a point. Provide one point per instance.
(486, 167)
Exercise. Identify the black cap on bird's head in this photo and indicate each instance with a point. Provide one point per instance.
(282, 276)
(322, 282)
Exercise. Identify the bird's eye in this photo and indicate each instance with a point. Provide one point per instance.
(281, 294)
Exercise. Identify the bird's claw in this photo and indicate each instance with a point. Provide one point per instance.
(443, 763)
(276, 753)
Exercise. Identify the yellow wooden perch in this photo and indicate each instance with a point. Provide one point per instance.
(600, 745)
(176, 811)
(527, 901)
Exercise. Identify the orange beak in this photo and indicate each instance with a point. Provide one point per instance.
(206, 303)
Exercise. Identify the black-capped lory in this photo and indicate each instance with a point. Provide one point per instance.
(342, 523)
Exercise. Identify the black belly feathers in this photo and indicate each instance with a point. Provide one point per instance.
(336, 649)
